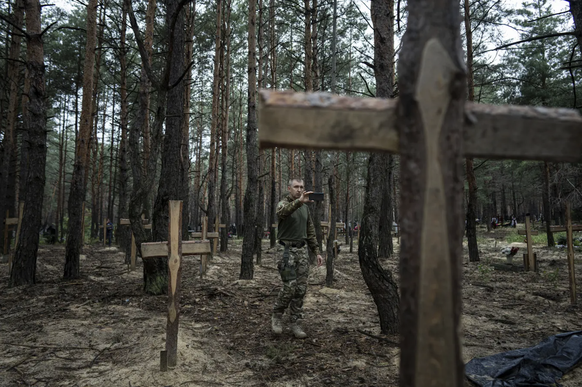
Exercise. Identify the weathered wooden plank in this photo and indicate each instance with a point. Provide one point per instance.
(11, 221)
(209, 235)
(571, 266)
(524, 232)
(322, 120)
(575, 227)
(124, 221)
(522, 132)
(160, 249)
(174, 246)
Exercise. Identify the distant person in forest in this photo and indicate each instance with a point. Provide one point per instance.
(109, 229)
(295, 232)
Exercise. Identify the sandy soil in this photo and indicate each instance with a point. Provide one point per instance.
(102, 330)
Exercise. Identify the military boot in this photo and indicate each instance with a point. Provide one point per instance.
(277, 323)
(297, 331)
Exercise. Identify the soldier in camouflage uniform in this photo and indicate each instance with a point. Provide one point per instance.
(295, 232)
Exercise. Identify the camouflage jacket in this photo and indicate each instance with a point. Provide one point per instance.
(286, 208)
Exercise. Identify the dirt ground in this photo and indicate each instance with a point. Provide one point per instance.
(102, 330)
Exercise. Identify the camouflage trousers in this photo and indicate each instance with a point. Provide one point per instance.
(292, 293)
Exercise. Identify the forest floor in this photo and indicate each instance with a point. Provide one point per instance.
(102, 330)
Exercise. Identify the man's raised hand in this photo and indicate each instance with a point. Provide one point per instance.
(305, 197)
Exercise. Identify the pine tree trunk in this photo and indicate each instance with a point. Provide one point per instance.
(24, 264)
(547, 206)
(379, 281)
(172, 173)
(250, 198)
(224, 194)
(123, 234)
(471, 216)
(212, 158)
(385, 244)
(186, 221)
(576, 11)
(9, 144)
(260, 215)
(331, 241)
(78, 179)
(472, 182)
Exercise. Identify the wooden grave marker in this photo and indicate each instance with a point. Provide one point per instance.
(174, 249)
(133, 254)
(569, 228)
(433, 128)
(8, 222)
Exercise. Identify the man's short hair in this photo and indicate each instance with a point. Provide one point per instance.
(291, 180)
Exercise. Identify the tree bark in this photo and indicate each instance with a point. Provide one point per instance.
(224, 192)
(186, 221)
(173, 169)
(123, 236)
(331, 240)
(576, 11)
(250, 199)
(471, 181)
(24, 264)
(546, 198)
(213, 156)
(78, 179)
(380, 282)
(9, 144)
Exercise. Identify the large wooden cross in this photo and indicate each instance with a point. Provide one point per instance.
(433, 128)
(174, 249)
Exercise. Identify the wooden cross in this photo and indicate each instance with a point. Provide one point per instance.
(127, 222)
(433, 128)
(8, 222)
(569, 228)
(203, 235)
(174, 249)
(529, 258)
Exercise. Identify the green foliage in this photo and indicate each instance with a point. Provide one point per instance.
(484, 271)
(552, 276)
(540, 239)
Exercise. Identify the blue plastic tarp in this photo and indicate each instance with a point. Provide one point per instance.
(539, 366)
